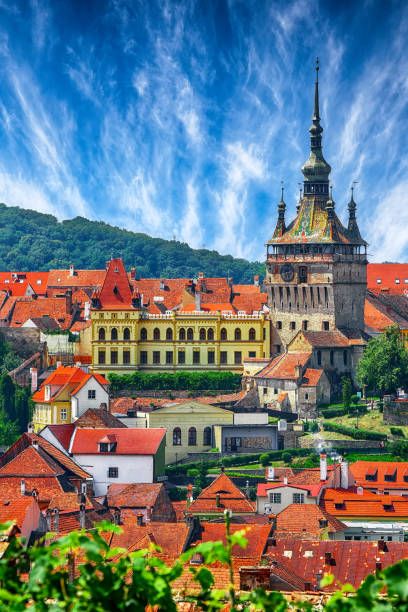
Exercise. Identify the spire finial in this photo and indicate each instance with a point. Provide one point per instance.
(317, 69)
(282, 190)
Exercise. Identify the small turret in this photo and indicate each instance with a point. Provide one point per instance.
(280, 225)
(352, 222)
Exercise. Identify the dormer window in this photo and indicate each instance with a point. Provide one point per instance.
(372, 475)
(108, 444)
(47, 392)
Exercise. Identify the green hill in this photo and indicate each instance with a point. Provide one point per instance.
(31, 240)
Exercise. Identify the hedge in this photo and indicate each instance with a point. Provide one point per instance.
(175, 381)
(330, 413)
(353, 432)
(397, 431)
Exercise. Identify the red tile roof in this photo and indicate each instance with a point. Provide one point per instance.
(71, 378)
(389, 275)
(27, 308)
(47, 486)
(348, 505)
(256, 536)
(80, 278)
(307, 523)
(115, 293)
(311, 377)
(129, 441)
(323, 339)
(172, 538)
(63, 433)
(137, 495)
(31, 462)
(360, 469)
(17, 283)
(230, 497)
(374, 319)
(349, 562)
(284, 366)
(15, 509)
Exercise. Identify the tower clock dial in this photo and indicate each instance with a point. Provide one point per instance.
(287, 272)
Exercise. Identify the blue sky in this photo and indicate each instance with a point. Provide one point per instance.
(182, 118)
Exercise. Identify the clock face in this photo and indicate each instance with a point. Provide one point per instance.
(287, 272)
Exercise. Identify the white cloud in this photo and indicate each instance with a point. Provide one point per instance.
(387, 235)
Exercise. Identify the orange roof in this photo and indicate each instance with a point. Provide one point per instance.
(17, 283)
(172, 538)
(397, 473)
(230, 497)
(115, 293)
(210, 307)
(311, 377)
(256, 535)
(28, 308)
(309, 523)
(80, 278)
(326, 339)
(137, 495)
(393, 277)
(72, 376)
(46, 486)
(78, 326)
(69, 502)
(345, 504)
(31, 462)
(284, 366)
(374, 318)
(15, 509)
(129, 441)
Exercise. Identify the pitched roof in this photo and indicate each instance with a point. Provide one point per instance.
(256, 536)
(284, 366)
(323, 339)
(308, 524)
(47, 486)
(396, 471)
(137, 495)
(393, 277)
(31, 462)
(383, 309)
(129, 441)
(172, 538)
(347, 505)
(62, 433)
(15, 509)
(71, 378)
(350, 562)
(98, 418)
(55, 307)
(115, 293)
(311, 377)
(230, 497)
(80, 278)
(17, 283)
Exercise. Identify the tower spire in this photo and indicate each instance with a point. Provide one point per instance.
(280, 225)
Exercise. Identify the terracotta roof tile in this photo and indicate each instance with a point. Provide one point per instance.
(326, 338)
(256, 536)
(311, 377)
(172, 538)
(310, 523)
(388, 274)
(31, 462)
(15, 509)
(346, 504)
(80, 278)
(63, 433)
(284, 366)
(115, 293)
(138, 495)
(17, 283)
(56, 308)
(230, 497)
(360, 469)
(129, 441)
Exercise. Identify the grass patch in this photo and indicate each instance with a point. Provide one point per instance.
(371, 421)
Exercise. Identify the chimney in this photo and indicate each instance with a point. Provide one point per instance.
(48, 519)
(22, 486)
(162, 284)
(116, 516)
(35, 444)
(190, 498)
(59, 364)
(256, 280)
(323, 466)
(378, 566)
(71, 270)
(197, 300)
(344, 475)
(201, 275)
(56, 520)
(34, 379)
(83, 488)
(218, 500)
(132, 273)
(298, 371)
(103, 407)
(270, 473)
(360, 491)
(82, 516)
(327, 558)
(139, 519)
(285, 480)
(87, 311)
(247, 489)
(68, 296)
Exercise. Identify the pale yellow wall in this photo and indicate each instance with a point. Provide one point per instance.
(189, 414)
(84, 346)
(50, 414)
(259, 347)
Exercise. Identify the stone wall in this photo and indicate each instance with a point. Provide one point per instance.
(25, 341)
(395, 412)
(309, 442)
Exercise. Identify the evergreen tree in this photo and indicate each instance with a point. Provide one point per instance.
(7, 397)
(346, 391)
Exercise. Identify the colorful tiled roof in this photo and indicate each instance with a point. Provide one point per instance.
(308, 524)
(311, 377)
(31, 462)
(370, 506)
(323, 339)
(55, 307)
(115, 293)
(284, 366)
(15, 509)
(229, 495)
(80, 278)
(17, 283)
(63, 433)
(393, 277)
(256, 536)
(137, 495)
(172, 538)
(98, 418)
(383, 474)
(71, 378)
(129, 441)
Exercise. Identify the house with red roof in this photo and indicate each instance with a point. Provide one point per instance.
(119, 455)
(222, 494)
(66, 394)
(383, 477)
(23, 512)
(149, 500)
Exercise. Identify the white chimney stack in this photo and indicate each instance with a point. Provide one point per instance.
(71, 270)
(22, 486)
(323, 466)
(271, 473)
(344, 475)
(285, 480)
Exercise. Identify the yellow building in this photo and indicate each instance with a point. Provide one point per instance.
(189, 427)
(66, 394)
(127, 335)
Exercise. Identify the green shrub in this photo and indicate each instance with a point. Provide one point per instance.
(175, 381)
(192, 472)
(397, 431)
(355, 399)
(286, 456)
(264, 459)
(353, 432)
(330, 413)
(314, 427)
(177, 493)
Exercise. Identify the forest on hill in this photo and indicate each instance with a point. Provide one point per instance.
(30, 240)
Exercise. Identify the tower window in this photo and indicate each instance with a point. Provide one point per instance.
(319, 358)
(302, 274)
(326, 325)
(305, 324)
(293, 325)
(278, 324)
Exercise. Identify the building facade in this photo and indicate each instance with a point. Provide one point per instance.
(316, 267)
(127, 335)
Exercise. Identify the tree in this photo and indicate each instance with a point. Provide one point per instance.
(23, 407)
(200, 480)
(346, 391)
(383, 367)
(7, 396)
(8, 430)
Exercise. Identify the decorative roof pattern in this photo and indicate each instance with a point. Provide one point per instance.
(380, 474)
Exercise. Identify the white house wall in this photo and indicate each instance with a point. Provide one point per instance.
(132, 469)
(80, 402)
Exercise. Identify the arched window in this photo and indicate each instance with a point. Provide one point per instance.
(101, 333)
(190, 334)
(143, 333)
(177, 436)
(237, 333)
(223, 334)
(192, 436)
(202, 333)
(126, 333)
(331, 358)
(210, 334)
(319, 357)
(114, 333)
(156, 333)
(252, 334)
(169, 334)
(207, 436)
(182, 334)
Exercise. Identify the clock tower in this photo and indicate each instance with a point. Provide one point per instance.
(315, 266)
